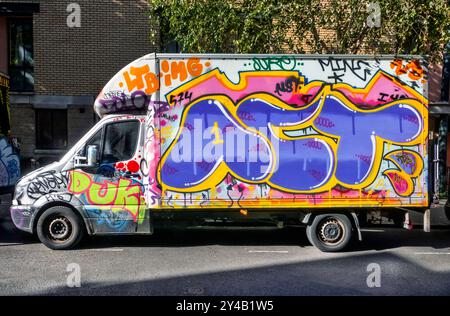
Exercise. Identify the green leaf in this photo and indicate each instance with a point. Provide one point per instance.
(267, 26)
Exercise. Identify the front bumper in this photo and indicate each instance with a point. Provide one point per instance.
(21, 216)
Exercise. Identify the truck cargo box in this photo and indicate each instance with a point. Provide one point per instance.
(280, 131)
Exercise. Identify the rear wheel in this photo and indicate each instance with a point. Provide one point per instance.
(60, 228)
(330, 232)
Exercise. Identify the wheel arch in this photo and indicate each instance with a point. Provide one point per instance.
(351, 214)
(48, 205)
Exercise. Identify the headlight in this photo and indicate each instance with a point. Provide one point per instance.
(18, 192)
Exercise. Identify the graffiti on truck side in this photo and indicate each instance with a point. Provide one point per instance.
(277, 130)
(47, 182)
(137, 84)
(116, 196)
(332, 114)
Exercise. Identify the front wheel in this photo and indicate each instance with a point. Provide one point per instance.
(330, 232)
(60, 228)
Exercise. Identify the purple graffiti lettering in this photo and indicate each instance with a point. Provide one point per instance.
(323, 121)
(138, 100)
(344, 136)
(314, 144)
(245, 116)
(364, 158)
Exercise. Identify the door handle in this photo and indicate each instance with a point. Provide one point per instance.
(131, 175)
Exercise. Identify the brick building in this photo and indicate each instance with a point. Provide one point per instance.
(57, 69)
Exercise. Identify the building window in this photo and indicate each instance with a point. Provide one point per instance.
(51, 129)
(21, 62)
(172, 47)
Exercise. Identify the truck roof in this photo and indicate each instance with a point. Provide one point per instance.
(300, 56)
(121, 115)
(138, 85)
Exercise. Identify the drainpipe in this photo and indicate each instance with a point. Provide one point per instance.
(442, 154)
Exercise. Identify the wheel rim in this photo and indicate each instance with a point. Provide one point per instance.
(331, 231)
(59, 229)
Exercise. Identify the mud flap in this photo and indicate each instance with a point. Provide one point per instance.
(356, 222)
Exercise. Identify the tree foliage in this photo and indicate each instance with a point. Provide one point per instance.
(299, 26)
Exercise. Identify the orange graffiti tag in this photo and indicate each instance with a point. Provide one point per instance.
(412, 68)
(143, 78)
(180, 69)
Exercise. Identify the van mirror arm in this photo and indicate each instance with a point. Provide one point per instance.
(89, 161)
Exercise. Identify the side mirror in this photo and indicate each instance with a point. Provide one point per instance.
(92, 152)
(89, 161)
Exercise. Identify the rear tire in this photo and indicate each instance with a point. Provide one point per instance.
(59, 228)
(330, 232)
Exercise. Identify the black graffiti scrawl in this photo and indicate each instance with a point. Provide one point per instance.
(339, 67)
(47, 182)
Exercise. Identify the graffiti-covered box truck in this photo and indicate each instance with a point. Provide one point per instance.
(294, 139)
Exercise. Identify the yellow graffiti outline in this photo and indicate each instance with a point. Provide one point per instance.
(278, 132)
(404, 176)
(401, 172)
(373, 81)
(243, 80)
(222, 169)
(325, 91)
(419, 166)
(379, 141)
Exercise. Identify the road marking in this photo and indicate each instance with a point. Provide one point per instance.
(194, 290)
(11, 244)
(432, 253)
(268, 251)
(110, 249)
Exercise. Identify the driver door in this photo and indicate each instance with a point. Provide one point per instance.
(112, 191)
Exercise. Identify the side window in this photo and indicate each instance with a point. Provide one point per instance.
(51, 129)
(96, 139)
(120, 141)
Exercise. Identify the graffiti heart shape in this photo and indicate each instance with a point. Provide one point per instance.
(410, 166)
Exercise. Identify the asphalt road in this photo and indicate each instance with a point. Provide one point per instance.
(228, 262)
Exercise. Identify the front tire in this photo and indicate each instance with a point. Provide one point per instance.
(59, 228)
(330, 232)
